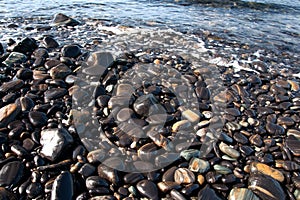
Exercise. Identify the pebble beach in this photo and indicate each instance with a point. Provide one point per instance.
(100, 109)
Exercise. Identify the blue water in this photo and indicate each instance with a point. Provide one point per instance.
(270, 23)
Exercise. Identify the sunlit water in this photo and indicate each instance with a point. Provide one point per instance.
(272, 24)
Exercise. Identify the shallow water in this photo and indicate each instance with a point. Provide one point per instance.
(270, 24)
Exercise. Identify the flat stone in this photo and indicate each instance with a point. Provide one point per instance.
(54, 93)
(53, 141)
(293, 143)
(266, 187)
(124, 90)
(8, 114)
(12, 86)
(267, 170)
(191, 116)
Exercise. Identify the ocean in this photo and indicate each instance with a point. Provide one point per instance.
(272, 24)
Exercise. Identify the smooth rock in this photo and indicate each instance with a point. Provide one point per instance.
(26, 103)
(228, 150)
(242, 194)
(191, 116)
(38, 119)
(97, 63)
(25, 46)
(12, 86)
(50, 42)
(54, 93)
(8, 114)
(109, 174)
(63, 187)
(266, 187)
(148, 189)
(63, 20)
(184, 176)
(207, 194)
(11, 173)
(53, 141)
(167, 186)
(293, 143)
(181, 125)
(95, 182)
(71, 51)
(60, 71)
(199, 165)
(267, 170)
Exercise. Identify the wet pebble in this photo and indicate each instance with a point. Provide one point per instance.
(228, 150)
(148, 189)
(8, 114)
(95, 181)
(199, 165)
(63, 187)
(184, 176)
(207, 193)
(38, 118)
(242, 194)
(53, 141)
(64, 20)
(60, 71)
(11, 173)
(50, 42)
(266, 187)
(109, 174)
(267, 170)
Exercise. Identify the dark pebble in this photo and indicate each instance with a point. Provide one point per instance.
(109, 174)
(275, 129)
(133, 178)
(63, 20)
(54, 93)
(38, 119)
(63, 187)
(34, 189)
(71, 51)
(8, 114)
(266, 187)
(11, 86)
(11, 173)
(50, 42)
(148, 189)
(207, 194)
